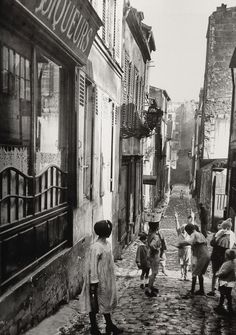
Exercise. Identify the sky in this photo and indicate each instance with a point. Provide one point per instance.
(179, 28)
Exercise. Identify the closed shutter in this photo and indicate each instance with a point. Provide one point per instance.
(88, 140)
(117, 29)
(104, 16)
(113, 145)
(79, 107)
(125, 90)
(130, 95)
(110, 24)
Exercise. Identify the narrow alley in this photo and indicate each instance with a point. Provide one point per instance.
(168, 313)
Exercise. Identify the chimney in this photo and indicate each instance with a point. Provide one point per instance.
(222, 8)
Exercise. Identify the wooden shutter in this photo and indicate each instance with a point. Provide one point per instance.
(125, 90)
(113, 146)
(79, 105)
(117, 29)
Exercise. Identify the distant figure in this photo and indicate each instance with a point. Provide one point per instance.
(142, 260)
(171, 188)
(203, 219)
(181, 195)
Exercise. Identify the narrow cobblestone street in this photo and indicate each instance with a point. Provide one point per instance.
(168, 313)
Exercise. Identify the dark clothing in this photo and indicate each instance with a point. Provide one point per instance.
(217, 255)
(142, 256)
(225, 292)
(145, 273)
(217, 258)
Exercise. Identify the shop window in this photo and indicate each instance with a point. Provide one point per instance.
(15, 99)
(51, 122)
(33, 161)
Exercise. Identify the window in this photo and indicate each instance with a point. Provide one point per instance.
(51, 140)
(15, 98)
(33, 159)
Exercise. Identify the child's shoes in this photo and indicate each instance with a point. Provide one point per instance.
(211, 294)
(112, 329)
(95, 331)
(199, 292)
(220, 310)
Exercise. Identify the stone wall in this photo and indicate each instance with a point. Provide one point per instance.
(41, 293)
(221, 41)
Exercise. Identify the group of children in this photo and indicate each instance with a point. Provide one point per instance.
(99, 287)
(192, 250)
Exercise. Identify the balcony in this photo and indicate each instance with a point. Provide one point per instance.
(139, 124)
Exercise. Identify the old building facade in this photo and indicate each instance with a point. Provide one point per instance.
(72, 88)
(157, 149)
(59, 147)
(231, 175)
(215, 112)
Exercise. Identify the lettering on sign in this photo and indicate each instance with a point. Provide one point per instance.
(74, 22)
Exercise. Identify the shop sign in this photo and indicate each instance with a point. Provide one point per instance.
(74, 22)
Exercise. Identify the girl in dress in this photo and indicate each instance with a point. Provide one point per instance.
(184, 252)
(200, 257)
(99, 288)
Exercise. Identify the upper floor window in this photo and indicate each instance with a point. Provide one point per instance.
(110, 12)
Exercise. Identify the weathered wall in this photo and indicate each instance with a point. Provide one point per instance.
(221, 41)
(39, 294)
(104, 203)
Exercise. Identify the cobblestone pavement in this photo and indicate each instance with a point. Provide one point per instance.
(168, 313)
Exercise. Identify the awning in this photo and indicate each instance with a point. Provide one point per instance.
(149, 180)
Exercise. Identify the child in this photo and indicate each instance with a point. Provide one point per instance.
(225, 237)
(184, 252)
(142, 260)
(227, 278)
(217, 259)
(162, 252)
(154, 245)
(99, 289)
(200, 257)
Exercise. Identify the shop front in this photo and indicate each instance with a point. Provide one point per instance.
(43, 44)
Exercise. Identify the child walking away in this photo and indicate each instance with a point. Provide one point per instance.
(227, 278)
(99, 288)
(142, 260)
(154, 245)
(184, 251)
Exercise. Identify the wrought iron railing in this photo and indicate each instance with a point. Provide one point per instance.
(34, 219)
